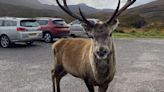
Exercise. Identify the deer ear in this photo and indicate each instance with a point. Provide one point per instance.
(87, 27)
(113, 26)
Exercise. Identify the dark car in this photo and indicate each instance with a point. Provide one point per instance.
(53, 28)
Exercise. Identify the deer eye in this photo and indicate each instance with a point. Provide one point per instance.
(111, 35)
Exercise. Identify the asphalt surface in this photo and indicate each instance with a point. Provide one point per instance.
(140, 68)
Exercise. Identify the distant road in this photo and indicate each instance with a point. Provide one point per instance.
(140, 68)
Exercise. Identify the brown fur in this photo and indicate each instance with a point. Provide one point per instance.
(75, 56)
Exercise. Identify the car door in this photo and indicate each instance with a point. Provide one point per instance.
(76, 28)
(1, 23)
(9, 28)
(43, 24)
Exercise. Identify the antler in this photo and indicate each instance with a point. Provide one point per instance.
(68, 11)
(118, 12)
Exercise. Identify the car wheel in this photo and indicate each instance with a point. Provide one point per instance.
(73, 35)
(29, 43)
(47, 37)
(5, 41)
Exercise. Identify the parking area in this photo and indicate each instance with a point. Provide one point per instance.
(140, 68)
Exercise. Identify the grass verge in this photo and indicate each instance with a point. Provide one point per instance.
(139, 35)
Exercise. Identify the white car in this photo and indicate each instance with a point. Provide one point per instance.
(18, 30)
(77, 30)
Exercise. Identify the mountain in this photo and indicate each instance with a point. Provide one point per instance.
(35, 4)
(153, 11)
(15, 9)
(150, 14)
(27, 3)
(84, 8)
(21, 11)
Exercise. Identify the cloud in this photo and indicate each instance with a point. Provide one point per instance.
(100, 4)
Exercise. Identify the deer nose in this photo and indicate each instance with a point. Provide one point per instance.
(102, 52)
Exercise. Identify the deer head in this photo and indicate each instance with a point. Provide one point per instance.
(101, 32)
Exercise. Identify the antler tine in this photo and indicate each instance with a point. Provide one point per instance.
(86, 21)
(128, 3)
(68, 11)
(118, 12)
(114, 14)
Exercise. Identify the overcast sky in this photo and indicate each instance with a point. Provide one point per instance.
(100, 4)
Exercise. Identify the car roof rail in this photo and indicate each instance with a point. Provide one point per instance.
(8, 17)
(47, 18)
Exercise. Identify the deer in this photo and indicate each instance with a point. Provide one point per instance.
(90, 59)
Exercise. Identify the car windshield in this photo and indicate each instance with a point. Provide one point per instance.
(59, 22)
(42, 22)
(91, 20)
(75, 22)
(29, 23)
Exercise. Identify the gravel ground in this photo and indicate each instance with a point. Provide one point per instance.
(140, 68)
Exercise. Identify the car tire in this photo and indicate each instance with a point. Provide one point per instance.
(29, 43)
(5, 41)
(73, 36)
(48, 37)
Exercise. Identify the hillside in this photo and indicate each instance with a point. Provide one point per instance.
(21, 11)
(35, 4)
(148, 14)
(27, 3)
(153, 11)
(12, 10)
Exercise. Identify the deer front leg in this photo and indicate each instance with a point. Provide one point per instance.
(103, 88)
(57, 74)
(89, 86)
(53, 80)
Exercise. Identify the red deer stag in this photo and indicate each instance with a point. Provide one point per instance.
(92, 60)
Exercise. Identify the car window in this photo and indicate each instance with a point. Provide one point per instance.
(59, 22)
(1, 22)
(77, 30)
(10, 23)
(94, 20)
(42, 22)
(29, 23)
(76, 22)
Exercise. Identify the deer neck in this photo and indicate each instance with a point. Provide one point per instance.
(101, 70)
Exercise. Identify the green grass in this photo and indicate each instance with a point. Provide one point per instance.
(139, 35)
